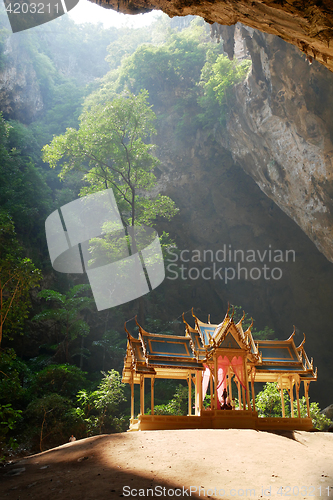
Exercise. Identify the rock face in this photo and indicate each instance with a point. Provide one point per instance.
(260, 184)
(280, 131)
(306, 24)
(221, 207)
(20, 93)
(328, 412)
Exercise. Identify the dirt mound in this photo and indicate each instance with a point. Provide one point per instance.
(221, 464)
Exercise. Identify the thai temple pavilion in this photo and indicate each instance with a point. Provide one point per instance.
(209, 357)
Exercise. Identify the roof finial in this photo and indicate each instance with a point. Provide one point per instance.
(227, 315)
(209, 318)
(128, 333)
(294, 331)
(303, 341)
(249, 328)
(187, 325)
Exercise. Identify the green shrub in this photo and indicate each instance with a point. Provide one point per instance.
(268, 404)
(99, 409)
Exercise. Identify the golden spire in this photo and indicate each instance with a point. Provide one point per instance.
(302, 343)
(291, 336)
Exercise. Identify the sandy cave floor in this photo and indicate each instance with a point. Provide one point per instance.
(220, 463)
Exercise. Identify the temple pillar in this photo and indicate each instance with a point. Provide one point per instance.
(229, 384)
(211, 390)
(306, 392)
(247, 390)
(215, 382)
(152, 383)
(189, 382)
(282, 398)
(199, 391)
(252, 389)
(239, 395)
(132, 396)
(244, 399)
(142, 394)
(297, 397)
(292, 397)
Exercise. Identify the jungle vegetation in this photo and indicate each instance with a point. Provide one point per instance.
(60, 360)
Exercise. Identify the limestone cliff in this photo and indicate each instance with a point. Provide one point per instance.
(307, 24)
(280, 131)
(222, 208)
(20, 94)
(275, 153)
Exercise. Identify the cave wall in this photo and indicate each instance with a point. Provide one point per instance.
(220, 205)
(263, 183)
(232, 195)
(20, 92)
(306, 24)
(280, 131)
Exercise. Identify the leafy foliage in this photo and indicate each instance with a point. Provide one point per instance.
(17, 276)
(66, 314)
(109, 149)
(268, 404)
(114, 346)
(51, 419)
(178, 405)
(65, 380)
(99, 408)
(9, 418)
(268, 401)
(23, 193)
(218, 77)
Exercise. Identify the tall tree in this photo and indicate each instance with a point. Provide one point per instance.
(65, 314)
(17, 276)
(109, 150)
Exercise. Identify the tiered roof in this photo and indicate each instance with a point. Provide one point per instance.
(281, 356)
(173, 356)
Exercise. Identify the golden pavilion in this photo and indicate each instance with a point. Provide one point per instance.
(209, 357)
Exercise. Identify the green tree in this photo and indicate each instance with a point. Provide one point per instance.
(65, 380)
(109, 150)
(114, 346)
(9, 418)
(218, 77)
(268, 404)
(178, 405)
(319, 421)
(268, 401)
(18, 276)
(23, 193)
(100, 408)
(52, 420)
(65, 315)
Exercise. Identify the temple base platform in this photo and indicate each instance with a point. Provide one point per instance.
(219, 419)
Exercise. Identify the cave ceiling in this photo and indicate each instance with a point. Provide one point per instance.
(306, 24)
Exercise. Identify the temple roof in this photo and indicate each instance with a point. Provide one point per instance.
(283, 356)
(174, 356)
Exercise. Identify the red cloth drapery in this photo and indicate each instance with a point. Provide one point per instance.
(237, 364)
(205, 381)
(223, 363)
